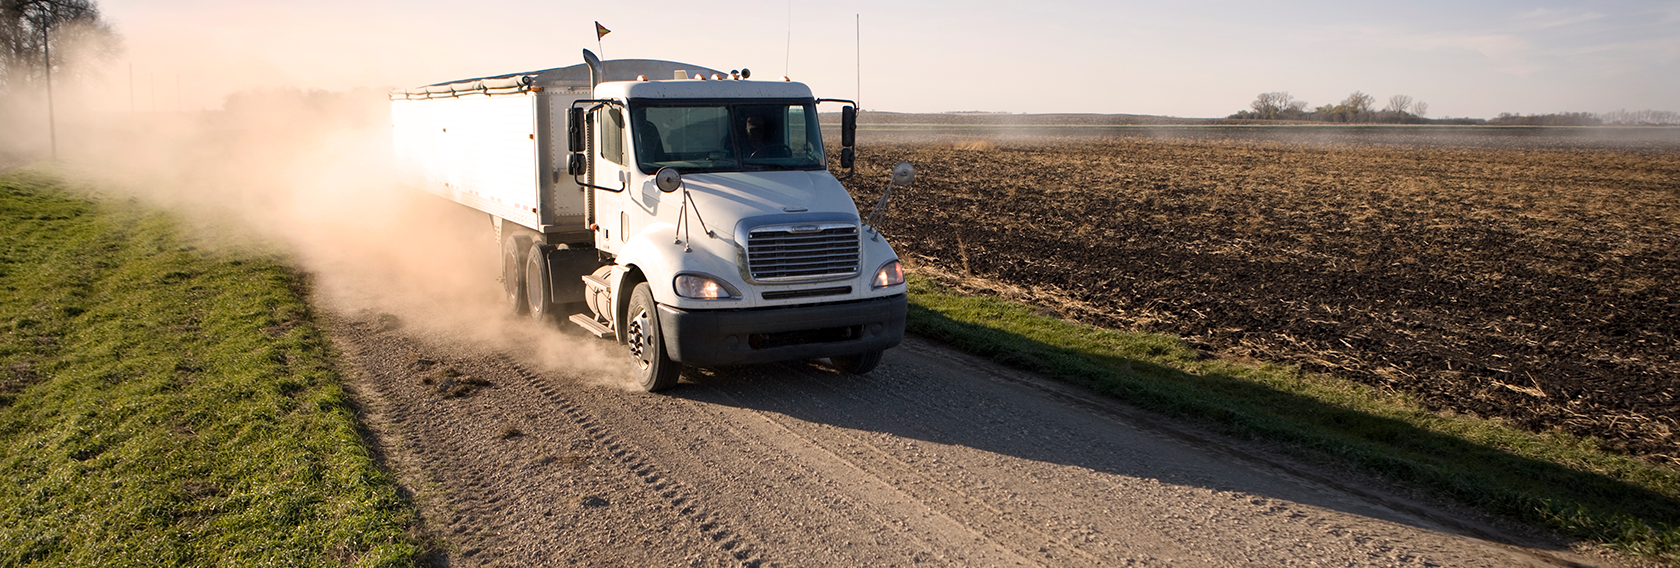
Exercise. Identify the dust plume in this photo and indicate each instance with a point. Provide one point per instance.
(313, 171)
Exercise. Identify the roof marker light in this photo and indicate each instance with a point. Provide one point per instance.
(641, 77)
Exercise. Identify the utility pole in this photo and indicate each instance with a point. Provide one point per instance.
(46, 57)
(131, 88)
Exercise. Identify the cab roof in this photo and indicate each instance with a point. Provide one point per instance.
(698, 89)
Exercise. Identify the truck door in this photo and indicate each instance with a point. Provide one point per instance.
(611, 167)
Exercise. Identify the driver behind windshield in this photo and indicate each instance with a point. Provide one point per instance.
(760, 137)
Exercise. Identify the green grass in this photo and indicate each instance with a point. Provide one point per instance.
(1554, 480)
(161, 404)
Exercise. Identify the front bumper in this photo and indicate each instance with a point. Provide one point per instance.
(729, 337)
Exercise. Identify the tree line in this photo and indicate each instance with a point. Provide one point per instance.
(65, 34)
(1356, 108)
(1612, 118)
(1403, 109)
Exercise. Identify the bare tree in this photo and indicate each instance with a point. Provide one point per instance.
(67, 30)
(1420, 108)
(1359, 102)
(1272, 105)
(1265, 105)
(1399, 103)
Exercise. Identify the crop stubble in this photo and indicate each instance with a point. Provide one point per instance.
(1537, 286)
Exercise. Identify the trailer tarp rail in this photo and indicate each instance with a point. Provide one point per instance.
(576, 76)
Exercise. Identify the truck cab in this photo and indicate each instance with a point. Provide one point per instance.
(756, 254)
(692, 217)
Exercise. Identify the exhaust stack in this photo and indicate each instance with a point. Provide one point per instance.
(597, 69)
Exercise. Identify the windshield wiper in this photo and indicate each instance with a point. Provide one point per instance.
(779, 167)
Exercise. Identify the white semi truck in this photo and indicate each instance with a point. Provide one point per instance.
(686, 212)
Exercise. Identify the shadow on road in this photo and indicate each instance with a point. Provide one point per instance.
(924, 392)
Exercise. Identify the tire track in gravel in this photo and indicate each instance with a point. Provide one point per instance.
(800, 507)
(516, 472)
(953, 511)
(678, 495)
(887, 497)
(1012, 520)
(1064, 488)
(935, 458)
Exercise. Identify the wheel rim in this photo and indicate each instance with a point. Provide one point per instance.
(640, 337)
(510, 277)
(533, 286)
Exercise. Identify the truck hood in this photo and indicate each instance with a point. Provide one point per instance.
(728, 197)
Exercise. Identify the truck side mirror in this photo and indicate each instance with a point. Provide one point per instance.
(575, 165)
(574, 130)
(848, 128)
(667, 179)
(903, 174)
(847, 158)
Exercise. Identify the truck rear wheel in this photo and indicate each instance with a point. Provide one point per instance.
(857, 364)
(513, 272)
(656, 371)
(539, 292)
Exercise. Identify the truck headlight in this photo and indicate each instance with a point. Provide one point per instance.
(890, 274)
(704, 287)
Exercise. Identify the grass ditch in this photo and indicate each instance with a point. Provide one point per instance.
(166, 404)
(1555, 480)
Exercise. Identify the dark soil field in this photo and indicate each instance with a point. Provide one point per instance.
(1529, 276)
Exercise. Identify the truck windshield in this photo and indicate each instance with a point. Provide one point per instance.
(723, 136)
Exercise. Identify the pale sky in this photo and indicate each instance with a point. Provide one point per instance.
(1190, 59)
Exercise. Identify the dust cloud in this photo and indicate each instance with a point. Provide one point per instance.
(313, 172)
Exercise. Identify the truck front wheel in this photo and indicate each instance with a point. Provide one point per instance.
(655, 369)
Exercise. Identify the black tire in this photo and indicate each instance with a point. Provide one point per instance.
(514, 248)
(539, 291)
(857, 364)
(655, 369)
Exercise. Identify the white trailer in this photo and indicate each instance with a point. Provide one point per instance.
(686, 212)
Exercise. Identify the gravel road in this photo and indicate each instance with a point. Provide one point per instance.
(936, 458)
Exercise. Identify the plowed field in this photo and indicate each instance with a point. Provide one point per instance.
(1534, 284)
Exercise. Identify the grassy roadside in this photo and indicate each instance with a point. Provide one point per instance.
(165, 405)
(1554, 480)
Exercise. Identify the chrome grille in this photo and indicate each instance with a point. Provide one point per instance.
(802, 252)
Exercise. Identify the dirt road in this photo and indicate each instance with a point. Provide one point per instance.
(936, 458)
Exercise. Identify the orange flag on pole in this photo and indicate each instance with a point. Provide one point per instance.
(600, 31)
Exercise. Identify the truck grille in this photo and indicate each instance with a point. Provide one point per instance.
(802, 252)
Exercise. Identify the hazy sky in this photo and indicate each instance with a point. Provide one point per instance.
(1192, 59)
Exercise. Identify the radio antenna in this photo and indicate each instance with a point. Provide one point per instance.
(787, 50)
(858, 41)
